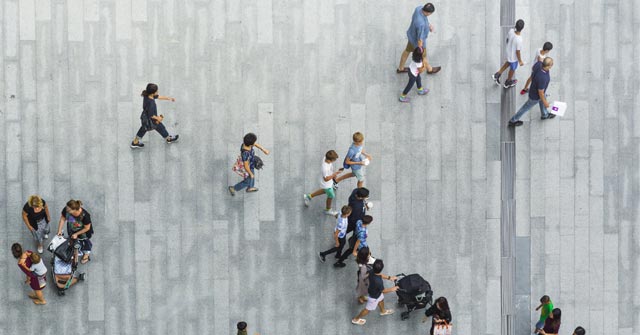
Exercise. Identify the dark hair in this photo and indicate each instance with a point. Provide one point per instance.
(580, 331)
(16, 250)
(557, 317)
(545, 299)
(242, 325)
(74, 204)
(547, 46)
(367, 219)
(443, 303)
(250, 139)
(346, 209)
(363, 255)
(362, 192)
(151, 89)
(378, 265)
(519, 25)
(429, 8)
(417, 55)
(331, 155)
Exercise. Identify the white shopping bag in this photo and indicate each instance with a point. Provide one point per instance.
(558, 108)
(442, 329)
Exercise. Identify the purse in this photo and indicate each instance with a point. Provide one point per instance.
(442, 329)
(147, 122)
(238, 167)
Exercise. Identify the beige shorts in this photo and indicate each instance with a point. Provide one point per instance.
(409, 47)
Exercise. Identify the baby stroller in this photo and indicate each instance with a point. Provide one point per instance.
(414, 292)
(64, 263)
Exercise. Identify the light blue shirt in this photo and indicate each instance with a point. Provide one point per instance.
(341, 226)
(355, 155)
(419, 28)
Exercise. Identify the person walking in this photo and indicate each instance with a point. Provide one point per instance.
(365, 264)
(79, 227)
(150, 118)
(552, 323)
(35, 214)
(415, 68)
(32, 265)
(419, 31)
(339, 234)
(326, 183)
(514, 45)
(539, 84)
(541, 54)
(358, 240)
(545, 307)
(376, 293)
(439, 313)
(355, 160)
(248, 157)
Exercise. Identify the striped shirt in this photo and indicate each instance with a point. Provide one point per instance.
(341, 226)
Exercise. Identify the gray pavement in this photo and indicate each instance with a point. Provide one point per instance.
(174, 253)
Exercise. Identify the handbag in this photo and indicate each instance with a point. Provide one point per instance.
(238, 167)
(442, 329)
(147, 122)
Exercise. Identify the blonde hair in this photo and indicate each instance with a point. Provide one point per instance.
(35, 258)
(358, 137)
(74, 204)
(35, 201)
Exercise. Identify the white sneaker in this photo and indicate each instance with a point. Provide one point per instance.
(307, 200)
(40, 249)
(330, 212)
(46, 236)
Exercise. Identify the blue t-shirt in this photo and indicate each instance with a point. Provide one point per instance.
(355, 155)
(540, 81)
(419, 28)
(361, 233)
(247, 155)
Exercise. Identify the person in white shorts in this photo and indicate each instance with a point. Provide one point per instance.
(376, 293)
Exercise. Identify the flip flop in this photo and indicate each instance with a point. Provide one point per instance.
(249, 190)
(85, 260)
(387, 312)
(38, 302)
(359, 322)
(32, 296)
(405, 70)
(435, 70)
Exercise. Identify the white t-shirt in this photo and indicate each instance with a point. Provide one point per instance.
(39, 269)
(539, 56)
(514, 43)
(327, 170)
(341, 226)
(413, 67)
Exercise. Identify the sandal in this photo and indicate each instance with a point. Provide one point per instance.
(32, 296)
(38, 302)
(405, 70)
(232, 191)
(85, 259)
(435, 70)
(253, 189)
(359, 322)
(387, 312)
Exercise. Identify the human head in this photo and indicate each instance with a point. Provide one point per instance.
(519, 25)
(545, 299)
(378, 265)
(363, 255)
(35, 201)
(151, 89)
(556, 315)
(547, 63)
(367, 219)
(74, 207)
(16, 250)
(362, 193)
(579, 331)
(331, 156)
(346, 210)
(358, 137)
(250, 139)
(242, 328)
(428, 9)
(442, 304)
(35, 258)
(547, 46)
(417, 55)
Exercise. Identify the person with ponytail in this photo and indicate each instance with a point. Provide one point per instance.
(552, 323)
(79, 228)
(150, 111)
(35, 214)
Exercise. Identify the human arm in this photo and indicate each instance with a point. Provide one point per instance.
(392, 278)
(350, 162)
(355, 247)
(519, 59)
(158, 118)
(266, 152)
(85, 229)
(60, 224)
(335, 237)
(543, 98)
(162, 97)
(331, 176)
(247, 168)
(46, 211)
(390, 289)
(539, 306)
(25, 218)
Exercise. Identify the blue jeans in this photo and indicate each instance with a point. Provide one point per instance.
(527, 106)
(246, 182)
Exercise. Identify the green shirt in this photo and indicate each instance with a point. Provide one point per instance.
(546, 310)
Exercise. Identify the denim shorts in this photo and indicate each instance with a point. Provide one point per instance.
(513, 65)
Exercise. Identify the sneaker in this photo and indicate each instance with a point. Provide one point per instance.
(322, 258)
(82, 276)
(496, 78)
(549, 116)
(524, 91)
(330, 212)
(515, 124)
(40, 249)
(173, 139)
(510, 83)
(404, 98)
(307, 200)
(335, 184)
(339, 264)
(423, 91)
(136, 145)
(232, 191)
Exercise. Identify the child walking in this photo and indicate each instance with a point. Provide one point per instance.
(326, 184)
(249, 160)
(415, 68)
(339, 234)
(514, 45)
(355, 160)
(150, 110)
(540, 56)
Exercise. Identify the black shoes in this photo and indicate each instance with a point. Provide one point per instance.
(339, 264)
(322, 258)
(515, 124)
(173, 139)
(137, 145)
(550, 116)
(82, 276)
(496, 78)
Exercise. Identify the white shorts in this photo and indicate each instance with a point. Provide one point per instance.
(372, 304)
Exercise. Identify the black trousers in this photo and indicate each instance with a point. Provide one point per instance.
(352, 243)
(412, 80)
(337, 250)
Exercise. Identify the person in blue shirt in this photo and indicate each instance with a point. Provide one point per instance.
(539, 83)
(418, 30)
